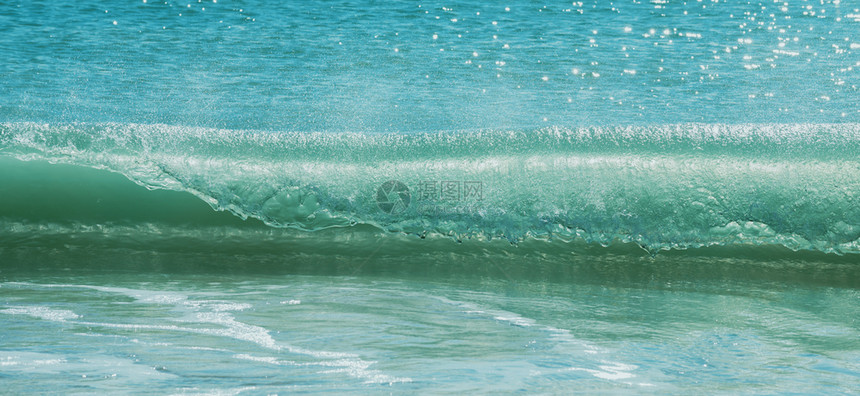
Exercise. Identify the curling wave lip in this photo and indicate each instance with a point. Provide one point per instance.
(661, 187)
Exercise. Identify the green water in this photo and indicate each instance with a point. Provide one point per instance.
(438, 197)
(450, 321)
(174, 299)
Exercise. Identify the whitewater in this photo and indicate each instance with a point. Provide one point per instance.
(677, 186)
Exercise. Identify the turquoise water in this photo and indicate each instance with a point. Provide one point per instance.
(239, 197)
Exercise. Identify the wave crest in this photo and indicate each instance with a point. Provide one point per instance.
(663, 187)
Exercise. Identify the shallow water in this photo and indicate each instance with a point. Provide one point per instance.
(176, 323)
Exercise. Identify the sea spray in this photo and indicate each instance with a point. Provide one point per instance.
(666, 187)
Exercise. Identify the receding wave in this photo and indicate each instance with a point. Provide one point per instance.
(660, 187)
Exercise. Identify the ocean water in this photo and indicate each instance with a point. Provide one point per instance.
(455, 197)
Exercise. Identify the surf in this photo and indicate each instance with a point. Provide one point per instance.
(672, 187)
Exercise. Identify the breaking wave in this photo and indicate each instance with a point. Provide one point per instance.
(660, 187)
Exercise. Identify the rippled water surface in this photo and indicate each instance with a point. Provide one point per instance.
(406, 66)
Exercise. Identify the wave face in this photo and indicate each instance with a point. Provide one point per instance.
(662, 187)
